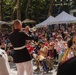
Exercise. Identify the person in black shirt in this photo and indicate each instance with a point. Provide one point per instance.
(68, 67)
(21, 55)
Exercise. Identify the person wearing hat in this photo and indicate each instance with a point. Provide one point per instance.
(51, 56)
(21, 55)
(62, 47)
(41, 56)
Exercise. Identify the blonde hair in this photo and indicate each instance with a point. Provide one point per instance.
(17, 23)
(64, 57)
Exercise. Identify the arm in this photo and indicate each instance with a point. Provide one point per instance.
(28, 37)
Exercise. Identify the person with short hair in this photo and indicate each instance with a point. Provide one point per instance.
(21, 55)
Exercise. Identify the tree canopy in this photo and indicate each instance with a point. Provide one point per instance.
(33, 9)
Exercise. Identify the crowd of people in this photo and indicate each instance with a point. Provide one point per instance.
(44, 46)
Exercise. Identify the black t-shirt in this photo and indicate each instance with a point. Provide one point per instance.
(68, 67)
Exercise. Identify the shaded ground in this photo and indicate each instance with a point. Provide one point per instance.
(14, 70)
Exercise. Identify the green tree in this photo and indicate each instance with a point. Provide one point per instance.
(13, 9)
(1, 10)
(32, 9)
(50, 7)
(19, 9)
(27, 8)
(6, 8)
(73, 5)
(16, 9)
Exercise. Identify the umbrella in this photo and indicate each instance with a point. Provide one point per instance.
(28, 21)
(3, 22)
(10, 23)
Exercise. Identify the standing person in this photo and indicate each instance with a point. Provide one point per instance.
(29, 47)
(21, 55)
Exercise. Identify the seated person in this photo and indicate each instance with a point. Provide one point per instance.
(41, 55)
(29, 47)
(51, 57)
(3, 45)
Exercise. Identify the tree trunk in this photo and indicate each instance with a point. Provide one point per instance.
(50, 7)
(19, 9)
(27, 8)
(37, 13)
(13, 10)
(1, 10)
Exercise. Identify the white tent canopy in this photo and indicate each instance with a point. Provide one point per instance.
(63, 17)
(45, 22)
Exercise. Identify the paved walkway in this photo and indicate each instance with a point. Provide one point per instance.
(14, 71)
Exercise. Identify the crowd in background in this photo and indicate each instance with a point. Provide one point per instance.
(49, 47)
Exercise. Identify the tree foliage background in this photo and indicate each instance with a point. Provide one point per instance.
(32, 9)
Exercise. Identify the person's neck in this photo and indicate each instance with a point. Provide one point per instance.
(17, 29)
(42, 46)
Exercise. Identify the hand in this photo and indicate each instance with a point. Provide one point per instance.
(49, 57)
(39, 51)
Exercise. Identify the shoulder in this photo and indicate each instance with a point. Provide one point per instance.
(45, 47)
(17, 32)
(22, 32)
